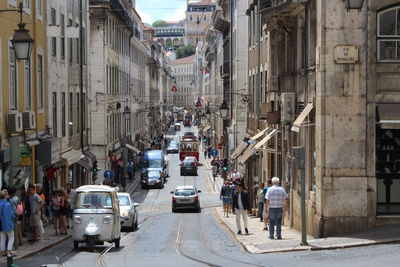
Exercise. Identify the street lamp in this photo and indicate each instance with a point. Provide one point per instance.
(223, 109)
(127, 113)
(354, 4)
(22, 41)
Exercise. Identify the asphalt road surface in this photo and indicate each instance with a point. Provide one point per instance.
(195, 239)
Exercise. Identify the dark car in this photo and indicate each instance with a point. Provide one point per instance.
(189, 166)
(172, 147)
(187, 123)
(152, 178)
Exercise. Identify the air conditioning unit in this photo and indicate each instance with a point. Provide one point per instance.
(288, 110)
(264, 108)
(28, 120)
(273, 84)
(14, 122)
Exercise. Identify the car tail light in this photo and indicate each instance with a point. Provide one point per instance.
(173, 199)
(196, 198)
(195, 163)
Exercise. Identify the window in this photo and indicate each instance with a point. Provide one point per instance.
(40, 81)
(27, 3)
(62, 44)
(84, 46)
(39, 8)
(191, 18)
(71, 114)
(205, 17)
(54, 46)
(54, 110)
(388, 36)
(63, 119)
(53, 21)
(77, 50)
(78, 113)
(70, 50)
(13, 79)
(28, 84)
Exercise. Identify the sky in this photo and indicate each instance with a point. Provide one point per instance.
(168, 10)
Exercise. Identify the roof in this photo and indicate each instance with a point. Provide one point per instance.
(98, 188)
(184, 60)
(202, 3)
(184, 187)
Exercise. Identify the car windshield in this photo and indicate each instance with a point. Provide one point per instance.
(153, 174)
(93, 200)
(172, 146)
(152, 163)
(184, 192)
(124, 200)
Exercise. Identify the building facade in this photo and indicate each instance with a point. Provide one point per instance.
(171, 36)
(23, 102)
(197, 19)
(183, 71)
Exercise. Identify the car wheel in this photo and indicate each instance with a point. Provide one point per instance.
(76, 244)
(198, 209)
(144, 186)
(136, 223)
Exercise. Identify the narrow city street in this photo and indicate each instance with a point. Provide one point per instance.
(194, 239)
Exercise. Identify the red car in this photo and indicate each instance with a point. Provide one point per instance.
(187, 123)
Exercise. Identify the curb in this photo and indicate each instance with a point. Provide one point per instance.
(44, 248)
(251, 249)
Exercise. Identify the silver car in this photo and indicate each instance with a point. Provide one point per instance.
(185, 197)
(128, 211)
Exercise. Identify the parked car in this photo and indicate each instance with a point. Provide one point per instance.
(128, 211)
(185, 197)
(173, 147)
(189, 166)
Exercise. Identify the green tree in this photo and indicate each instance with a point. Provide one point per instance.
(185, 51)
(159, 23)
(169, 43)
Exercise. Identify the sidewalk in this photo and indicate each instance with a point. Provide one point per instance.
(49, 239)
(257, 241)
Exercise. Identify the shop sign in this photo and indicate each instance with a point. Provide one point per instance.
(25, 151)
(346, 54)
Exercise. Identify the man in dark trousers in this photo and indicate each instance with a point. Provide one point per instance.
(241, 204)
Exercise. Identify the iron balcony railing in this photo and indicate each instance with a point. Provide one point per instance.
(119, 9)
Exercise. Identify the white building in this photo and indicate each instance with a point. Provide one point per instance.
(183, 71)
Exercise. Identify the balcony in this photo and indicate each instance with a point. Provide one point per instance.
(270, 8)
(119, 9)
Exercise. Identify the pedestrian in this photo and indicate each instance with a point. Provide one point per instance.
(130, 170)
(55, 209)
(7, 216)
(214, 171)
(260, 201)
(205, 153)
(35, 205)
(241, 204)
(64, 211)
(226, 196)
(267, 185)
(209, 151)
(276, 198)
(17, 210)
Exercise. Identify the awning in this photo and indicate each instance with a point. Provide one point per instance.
(248, 153)
(389, 117)
(260, 134)
(72, 156)
(133, 148)
(239, 149)
(297, 123)
(265, 139)
(32, 143)
(90, 155)
(85, 163)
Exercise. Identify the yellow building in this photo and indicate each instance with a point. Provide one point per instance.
(23, 93)
(197, 19)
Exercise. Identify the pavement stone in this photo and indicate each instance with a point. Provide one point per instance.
(257, 241)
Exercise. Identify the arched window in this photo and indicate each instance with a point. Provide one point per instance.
(388, 35)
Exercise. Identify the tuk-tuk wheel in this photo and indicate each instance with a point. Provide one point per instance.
(116, 241)
(91, 244)
(76, 244)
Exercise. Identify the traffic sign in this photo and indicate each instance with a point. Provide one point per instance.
(108, 174)
(214, 152)
(220, 146)
(174, 88)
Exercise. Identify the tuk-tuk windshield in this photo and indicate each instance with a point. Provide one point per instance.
(93, 200)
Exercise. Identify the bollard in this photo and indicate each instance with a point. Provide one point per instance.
(10, 261)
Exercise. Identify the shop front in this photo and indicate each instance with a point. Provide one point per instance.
(5, 158)
(48, 156)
